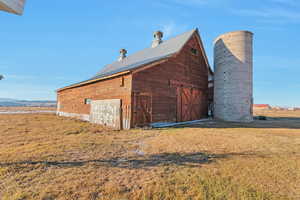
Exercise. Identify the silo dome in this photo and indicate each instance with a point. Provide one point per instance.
(233, 81)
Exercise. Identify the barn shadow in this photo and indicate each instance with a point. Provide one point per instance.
(137, 162)
(275, 122)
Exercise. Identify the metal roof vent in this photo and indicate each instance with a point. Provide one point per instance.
(123, 53)
(158, 35)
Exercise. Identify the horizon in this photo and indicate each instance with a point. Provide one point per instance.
(56, 101)
(56, 49)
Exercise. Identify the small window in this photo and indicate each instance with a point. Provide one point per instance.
(87, 101)
(122, 82)
(194, 51)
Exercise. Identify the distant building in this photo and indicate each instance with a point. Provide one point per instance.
(291, 109)
(12, 6)
(261, 107)
(277, 108)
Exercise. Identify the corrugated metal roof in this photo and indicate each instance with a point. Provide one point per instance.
(164, 50)
(148, 55)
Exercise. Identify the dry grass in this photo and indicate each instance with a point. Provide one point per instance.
(48, 157)
(279, 113)
(27, 108)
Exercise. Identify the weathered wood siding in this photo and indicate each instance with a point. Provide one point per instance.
(72, 100)
(161, 82)
(174, 89)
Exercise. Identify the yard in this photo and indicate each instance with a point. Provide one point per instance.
(46, 157)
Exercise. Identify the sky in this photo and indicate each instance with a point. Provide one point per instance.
(57, 43)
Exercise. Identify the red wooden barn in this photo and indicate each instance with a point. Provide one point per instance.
(167, 82)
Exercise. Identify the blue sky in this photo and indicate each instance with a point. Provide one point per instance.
(57, 42)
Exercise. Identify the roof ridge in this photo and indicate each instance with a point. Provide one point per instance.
(145, 56)
(164, 41)
(171, 38)
(152, 50)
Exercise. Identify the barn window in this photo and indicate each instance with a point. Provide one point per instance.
(87, 101)
(122, 82)
(194, 51)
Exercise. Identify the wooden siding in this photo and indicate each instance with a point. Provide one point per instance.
(73, 100)
(163, 91)
(162, 81)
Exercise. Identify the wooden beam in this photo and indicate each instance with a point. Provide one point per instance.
(150, 65)
(174, 83)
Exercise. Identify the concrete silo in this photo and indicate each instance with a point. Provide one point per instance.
(233, 81)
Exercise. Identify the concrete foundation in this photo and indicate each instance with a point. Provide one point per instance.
(82, 117)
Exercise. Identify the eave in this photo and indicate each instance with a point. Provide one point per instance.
(93, 81)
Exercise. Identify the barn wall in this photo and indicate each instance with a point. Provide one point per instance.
(71, 102)
(161, 82)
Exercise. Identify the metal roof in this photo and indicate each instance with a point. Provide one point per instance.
(149, 55)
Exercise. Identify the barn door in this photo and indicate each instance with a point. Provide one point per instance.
(189, 104)
(143, 109)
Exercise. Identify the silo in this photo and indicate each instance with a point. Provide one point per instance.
(233, 81)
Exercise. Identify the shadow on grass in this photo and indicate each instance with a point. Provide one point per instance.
(138, 162)
(271, 122)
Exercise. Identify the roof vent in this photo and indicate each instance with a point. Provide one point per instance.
(158, 35)
(123, 53)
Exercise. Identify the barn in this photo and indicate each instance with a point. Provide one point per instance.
(171, 81)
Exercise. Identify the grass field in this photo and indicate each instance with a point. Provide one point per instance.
(27, 108)
(47, 157)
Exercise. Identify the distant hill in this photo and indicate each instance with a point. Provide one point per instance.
(6, 99)
(6, 102)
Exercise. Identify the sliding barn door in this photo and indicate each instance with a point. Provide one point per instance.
(190, 104)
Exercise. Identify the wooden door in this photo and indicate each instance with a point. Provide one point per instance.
(143, 109)
(189, 104)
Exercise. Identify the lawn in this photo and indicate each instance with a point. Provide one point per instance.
(46, 157)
